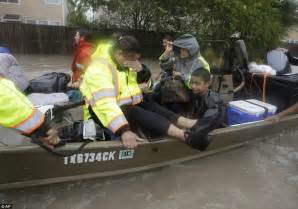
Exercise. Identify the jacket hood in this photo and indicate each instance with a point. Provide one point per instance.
(189, 42)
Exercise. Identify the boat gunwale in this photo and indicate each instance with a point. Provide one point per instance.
(194, 154)
(117, 144)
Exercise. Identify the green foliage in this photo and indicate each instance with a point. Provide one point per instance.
(262, 23)
(77, 14)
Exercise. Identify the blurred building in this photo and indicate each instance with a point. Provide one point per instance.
(43, 12)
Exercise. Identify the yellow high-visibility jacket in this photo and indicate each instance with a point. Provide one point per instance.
(16, 111)
(204, 63)
(107, 88)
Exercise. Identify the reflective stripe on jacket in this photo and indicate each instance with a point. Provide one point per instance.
(16, 111)
(106, 89)
(204, 63)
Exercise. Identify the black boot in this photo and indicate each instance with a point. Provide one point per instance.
(198, 139)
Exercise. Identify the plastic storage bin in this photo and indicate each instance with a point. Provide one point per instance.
(248, 111)
(270, 108)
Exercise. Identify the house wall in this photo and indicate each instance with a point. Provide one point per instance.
(37, 11)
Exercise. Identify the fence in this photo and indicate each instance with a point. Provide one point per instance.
(43, 39)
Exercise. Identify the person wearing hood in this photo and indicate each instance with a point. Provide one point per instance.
(188, 57)
(82, 56)
(10, 69)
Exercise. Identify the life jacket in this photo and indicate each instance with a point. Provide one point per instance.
(16, 111)
(82, 58)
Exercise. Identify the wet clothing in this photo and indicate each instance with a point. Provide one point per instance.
(81, 60)
(10, 69)
(153, 119)
(166, 62)
(107, 87)
(171, 62)
(16, 111)
(207, 106)
(188, 65)
(209, 110)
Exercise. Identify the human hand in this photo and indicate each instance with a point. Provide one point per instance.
(129, 139)
(273, 119)
(135, 65)
(144, 85)
(75, 85)
(52, 138)
(69, 84)
(169, 46)
(176, 73)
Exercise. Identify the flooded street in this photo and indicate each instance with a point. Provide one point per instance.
(259, 175)
(36, 65)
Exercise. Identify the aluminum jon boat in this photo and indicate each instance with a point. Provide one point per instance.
(26, 164)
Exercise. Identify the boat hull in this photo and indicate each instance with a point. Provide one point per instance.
(29, 165)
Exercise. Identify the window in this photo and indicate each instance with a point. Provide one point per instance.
(57, 23)
(31, 21)
(11, 18)
(10, 1)
(42, 22)
(54, 2)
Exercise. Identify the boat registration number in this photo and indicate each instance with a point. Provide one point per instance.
(92, 157)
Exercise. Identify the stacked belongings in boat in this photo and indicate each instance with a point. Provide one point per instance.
(277, 81)
(47, 89)
(44, 91)
(229, 80)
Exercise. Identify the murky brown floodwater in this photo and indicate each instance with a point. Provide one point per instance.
(263, 174)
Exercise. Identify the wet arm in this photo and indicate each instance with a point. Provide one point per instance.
(291, 110)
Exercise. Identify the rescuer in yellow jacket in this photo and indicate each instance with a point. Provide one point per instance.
(111, 87)
(17, 112)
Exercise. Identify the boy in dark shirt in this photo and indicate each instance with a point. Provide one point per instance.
(205, 105)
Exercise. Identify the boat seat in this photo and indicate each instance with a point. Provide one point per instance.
(223, 85)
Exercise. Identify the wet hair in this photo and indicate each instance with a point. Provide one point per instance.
(176, 50)
(127, 44)
(202, 73)
(85, 33)
(168, 37)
